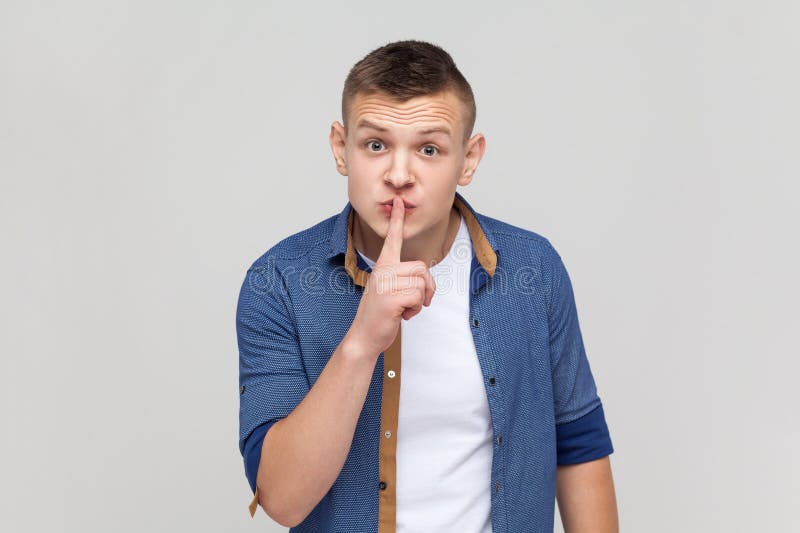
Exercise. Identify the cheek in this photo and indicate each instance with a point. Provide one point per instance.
(359, 185)
(359, 165)
(437, 172)
(364, 169)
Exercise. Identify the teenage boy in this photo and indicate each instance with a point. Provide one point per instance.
(410, 364)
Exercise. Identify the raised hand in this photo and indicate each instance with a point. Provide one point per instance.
(395, 289)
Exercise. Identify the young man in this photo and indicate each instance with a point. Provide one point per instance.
(410, 364)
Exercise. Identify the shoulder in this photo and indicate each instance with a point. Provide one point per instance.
(298, 246)
(266, 277)
(524, 255)
(515, 240)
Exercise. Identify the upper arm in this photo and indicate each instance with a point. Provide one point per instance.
(272, 379)
(581, 430)
(586, 497)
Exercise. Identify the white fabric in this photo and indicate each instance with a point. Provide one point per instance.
(444, 446)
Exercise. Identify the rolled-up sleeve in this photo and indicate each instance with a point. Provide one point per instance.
(581, 430)
(272, 379)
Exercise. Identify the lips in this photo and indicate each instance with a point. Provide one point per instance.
(406, 203)
(386, 208)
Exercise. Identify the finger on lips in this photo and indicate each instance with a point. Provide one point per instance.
(391, 253)
(393, 243)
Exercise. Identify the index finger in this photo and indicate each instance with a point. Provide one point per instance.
(392, 244)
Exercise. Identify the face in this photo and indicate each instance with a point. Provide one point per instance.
(415, 150)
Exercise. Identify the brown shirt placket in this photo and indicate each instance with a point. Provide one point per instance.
(390, 398)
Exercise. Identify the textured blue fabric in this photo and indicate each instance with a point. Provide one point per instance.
(296, 304)
(252, 452)
(583, 439)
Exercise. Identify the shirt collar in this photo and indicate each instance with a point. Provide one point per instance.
(341, 242)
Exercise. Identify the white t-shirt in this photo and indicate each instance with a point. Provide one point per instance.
(444, 435)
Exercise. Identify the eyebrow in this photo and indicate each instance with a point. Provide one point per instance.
(364, 123)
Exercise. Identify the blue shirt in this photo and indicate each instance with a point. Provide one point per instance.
(297, 302)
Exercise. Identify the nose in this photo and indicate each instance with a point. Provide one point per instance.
(399, 174)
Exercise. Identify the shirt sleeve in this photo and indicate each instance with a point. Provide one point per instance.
(581, 430)
(272, 379)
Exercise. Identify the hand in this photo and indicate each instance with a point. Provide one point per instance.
(394, 290)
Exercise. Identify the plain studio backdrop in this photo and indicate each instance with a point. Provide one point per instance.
(150, 151)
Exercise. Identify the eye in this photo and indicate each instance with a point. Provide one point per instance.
(430, 150)
(374, 145)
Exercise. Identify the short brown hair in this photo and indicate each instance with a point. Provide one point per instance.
(407, 69)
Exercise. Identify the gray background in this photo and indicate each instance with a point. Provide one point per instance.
(150, 151)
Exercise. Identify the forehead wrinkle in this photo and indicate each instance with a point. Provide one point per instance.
(423, 126)
(379, 108)
(403, 120)
(400, 105)
(407, 118)
(395, 111)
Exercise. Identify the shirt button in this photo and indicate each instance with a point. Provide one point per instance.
(241, 389)
(390, 373)
(496, 486)
(474, 322)
(492, 381)
(382, 485)
(387, 434)
(499, 439)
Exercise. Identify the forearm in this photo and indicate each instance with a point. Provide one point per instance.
(303, 454)
(586, 498)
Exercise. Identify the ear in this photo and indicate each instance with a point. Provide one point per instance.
(476, 145)
(337, 139)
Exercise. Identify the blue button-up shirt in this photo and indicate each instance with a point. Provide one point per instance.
(298, 301)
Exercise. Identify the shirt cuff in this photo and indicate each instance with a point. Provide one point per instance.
(252, 458)
(584, 439)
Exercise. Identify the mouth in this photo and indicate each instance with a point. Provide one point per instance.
(406, 203)
(386, 207)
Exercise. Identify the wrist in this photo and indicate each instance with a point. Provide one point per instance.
(352, 347)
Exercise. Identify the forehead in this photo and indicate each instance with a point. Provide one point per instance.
(440, 109)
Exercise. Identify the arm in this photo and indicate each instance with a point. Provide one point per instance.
(586, 499)
(303, 453)
(584, 487)
(294, 437)
(309, 431)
